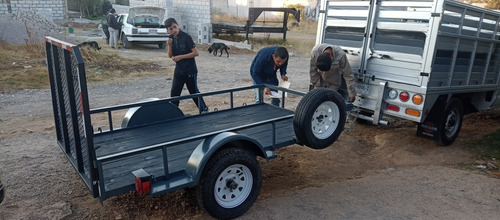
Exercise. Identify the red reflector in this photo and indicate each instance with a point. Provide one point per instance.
(141, 186)
(404, 96)
(393, 108)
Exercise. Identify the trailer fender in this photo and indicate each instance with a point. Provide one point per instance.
(202, 154)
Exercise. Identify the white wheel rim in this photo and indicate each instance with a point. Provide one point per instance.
(325, 120)
(451, 125)
(233, 186)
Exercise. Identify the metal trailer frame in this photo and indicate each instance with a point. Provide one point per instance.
(170, 149)
(438, 49)
(249, 27)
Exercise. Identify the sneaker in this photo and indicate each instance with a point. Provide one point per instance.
(205, 111)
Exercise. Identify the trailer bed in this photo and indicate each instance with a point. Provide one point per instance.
(182, 136)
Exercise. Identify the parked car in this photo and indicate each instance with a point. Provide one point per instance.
(143, 24)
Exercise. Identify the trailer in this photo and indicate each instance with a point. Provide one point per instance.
(157, 148)
(428, 61)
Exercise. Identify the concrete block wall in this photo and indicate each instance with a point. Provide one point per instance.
(51, 9)
(194, 14)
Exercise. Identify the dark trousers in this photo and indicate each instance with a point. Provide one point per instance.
(192, 86)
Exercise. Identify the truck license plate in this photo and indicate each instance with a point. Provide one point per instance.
(152, 31)
(362, 88)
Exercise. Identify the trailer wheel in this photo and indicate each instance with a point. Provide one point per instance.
(452, 123)
(319, 118)
(230, 183)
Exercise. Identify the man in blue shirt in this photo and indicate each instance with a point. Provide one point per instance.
(264, 66)
(182, 50)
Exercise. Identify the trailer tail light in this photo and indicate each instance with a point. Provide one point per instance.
(142, 186)
(412, 112)
(393, 94)
(142, 181)
(404, 96)
(417, 99)
(393, 107)
(135, 31)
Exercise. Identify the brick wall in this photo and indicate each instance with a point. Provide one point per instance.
(51, 9)
(194, 14)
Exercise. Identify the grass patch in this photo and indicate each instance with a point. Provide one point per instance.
(488, 147)
(24, 66)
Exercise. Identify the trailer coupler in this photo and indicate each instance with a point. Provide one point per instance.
(142, 181)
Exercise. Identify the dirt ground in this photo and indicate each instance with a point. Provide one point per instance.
(42, 184)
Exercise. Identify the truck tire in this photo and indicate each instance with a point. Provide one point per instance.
(162, 45)
(125, 42)
(319, 118)
(452, 123)
(230, 183)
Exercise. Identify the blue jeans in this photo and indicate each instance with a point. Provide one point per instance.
(274, 101)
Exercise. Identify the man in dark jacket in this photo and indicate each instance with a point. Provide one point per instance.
(264, 66)
(113, 27)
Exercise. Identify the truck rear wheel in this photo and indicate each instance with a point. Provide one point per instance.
(230, 183)
(452, 123)
(319, 118)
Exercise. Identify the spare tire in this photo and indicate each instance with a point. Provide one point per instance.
(319, 118)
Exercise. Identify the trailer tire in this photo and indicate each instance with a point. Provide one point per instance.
(319, 118)
(452, 123)
(230, 183)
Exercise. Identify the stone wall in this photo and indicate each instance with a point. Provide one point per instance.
(51, 9)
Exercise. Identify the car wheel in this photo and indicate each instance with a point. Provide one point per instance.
(125, 42)
(319, 118)
(452, 123)
(230, 183)
(162, 45)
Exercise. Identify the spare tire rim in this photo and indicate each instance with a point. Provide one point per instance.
(325, 120)
(233, 186)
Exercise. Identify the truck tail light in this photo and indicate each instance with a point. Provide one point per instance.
(392, 94)
(412, 112)
(404, 96)
(417, 99)
(142, 181)
(135, 31)
(393, 107)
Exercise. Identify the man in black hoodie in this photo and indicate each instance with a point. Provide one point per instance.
(113, 27)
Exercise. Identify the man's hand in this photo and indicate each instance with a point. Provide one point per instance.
(267, 91)
(284, 77)
(176, 58)
(352, 99)
(169, 42)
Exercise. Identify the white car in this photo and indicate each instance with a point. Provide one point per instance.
(143, 24)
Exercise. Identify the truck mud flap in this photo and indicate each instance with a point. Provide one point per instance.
(430, 127)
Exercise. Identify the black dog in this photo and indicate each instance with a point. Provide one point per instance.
(218, 46)
(91, 44)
